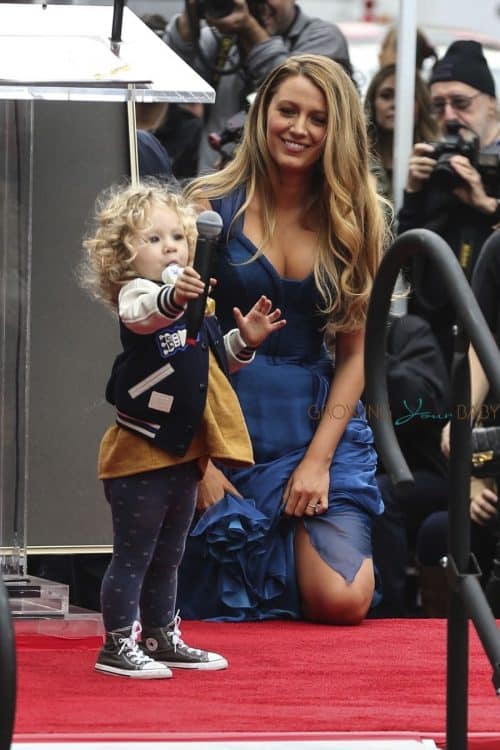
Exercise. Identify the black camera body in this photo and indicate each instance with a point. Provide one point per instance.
(221, 8)
(227, 141)
(486, 163)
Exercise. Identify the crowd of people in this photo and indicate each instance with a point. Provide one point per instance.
(241, 473)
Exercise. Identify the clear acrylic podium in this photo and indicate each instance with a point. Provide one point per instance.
(67, 130)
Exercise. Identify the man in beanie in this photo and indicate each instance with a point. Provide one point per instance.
(452, 200)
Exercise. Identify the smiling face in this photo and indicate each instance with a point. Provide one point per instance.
(161, 243)
(296, 124)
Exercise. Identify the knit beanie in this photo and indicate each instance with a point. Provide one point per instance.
(464, 61)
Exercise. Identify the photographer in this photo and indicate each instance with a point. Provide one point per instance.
(248, 40)
(485, 526)
(450, 188)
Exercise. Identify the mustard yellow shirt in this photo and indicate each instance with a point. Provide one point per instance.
(222, 435)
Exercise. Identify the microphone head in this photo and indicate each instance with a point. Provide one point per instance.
(209, 225)
(170, 273)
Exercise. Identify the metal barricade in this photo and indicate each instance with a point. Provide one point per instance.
(468, 600)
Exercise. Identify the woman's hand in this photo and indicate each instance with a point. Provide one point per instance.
(445, 440)
(212, 488)
(259, 322)
(483, 501)
(306, 492)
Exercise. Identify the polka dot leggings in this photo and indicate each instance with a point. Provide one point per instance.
(151, 513)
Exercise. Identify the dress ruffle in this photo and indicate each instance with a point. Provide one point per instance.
(245, 553)
(236, 535)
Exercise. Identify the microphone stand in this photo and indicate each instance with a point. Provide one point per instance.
(467, 597)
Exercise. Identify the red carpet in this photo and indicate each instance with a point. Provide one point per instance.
(383, 677)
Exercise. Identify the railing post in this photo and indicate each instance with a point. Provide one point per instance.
(7, 671)
(467, 598)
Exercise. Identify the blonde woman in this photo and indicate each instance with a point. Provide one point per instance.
(302, 222)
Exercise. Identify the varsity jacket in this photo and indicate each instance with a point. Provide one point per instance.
(158, 383)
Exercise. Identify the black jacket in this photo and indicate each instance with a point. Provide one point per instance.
(167, 412)
(465, 229)
(419, 392)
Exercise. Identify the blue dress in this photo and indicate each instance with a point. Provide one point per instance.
(239, 562)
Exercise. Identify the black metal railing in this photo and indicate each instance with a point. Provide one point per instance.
(7, 671)
(467, 597)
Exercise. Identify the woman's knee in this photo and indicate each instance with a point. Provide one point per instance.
(339, 605)
(325, 595)
(333, 600)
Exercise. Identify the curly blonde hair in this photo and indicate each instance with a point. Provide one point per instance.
(351, 229)
(122, 211)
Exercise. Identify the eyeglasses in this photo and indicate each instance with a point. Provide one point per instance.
(459, 102)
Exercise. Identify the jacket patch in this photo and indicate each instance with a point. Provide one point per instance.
(171, 341)
(156, 377)
(161, 401)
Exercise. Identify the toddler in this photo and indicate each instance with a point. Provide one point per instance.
(175, 410)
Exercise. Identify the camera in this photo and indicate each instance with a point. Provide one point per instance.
(221, 8)
(460, 140)
(214, 8)
(227, 141)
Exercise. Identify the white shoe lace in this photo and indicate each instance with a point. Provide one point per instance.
(175, 636)
(134, 653)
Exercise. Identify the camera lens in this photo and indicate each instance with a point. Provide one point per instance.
(218, 8)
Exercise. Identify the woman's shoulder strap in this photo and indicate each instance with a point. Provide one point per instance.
(227, 206)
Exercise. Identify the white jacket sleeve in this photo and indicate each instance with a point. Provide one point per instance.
(145, 307)
(238, 353)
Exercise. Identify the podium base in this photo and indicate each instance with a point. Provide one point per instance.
(78, 623)
(36, 597)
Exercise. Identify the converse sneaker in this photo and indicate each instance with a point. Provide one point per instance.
(121, 655)
(166, 645)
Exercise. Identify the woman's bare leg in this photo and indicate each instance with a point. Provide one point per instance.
(326, 596)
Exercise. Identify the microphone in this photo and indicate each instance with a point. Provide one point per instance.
(170, 273)
(116, 29)
(209, 226)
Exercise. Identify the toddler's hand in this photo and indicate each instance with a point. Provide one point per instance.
(188, 285)
(259, 322)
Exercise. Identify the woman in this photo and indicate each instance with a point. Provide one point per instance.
(424, 50)
(380, 111)
(301, 218)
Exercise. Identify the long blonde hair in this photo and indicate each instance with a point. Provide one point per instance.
(351, 227)
(122, 211)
